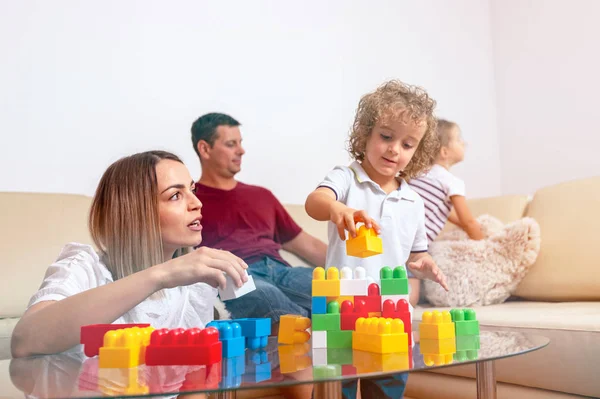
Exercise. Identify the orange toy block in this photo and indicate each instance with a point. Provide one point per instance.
(379, 335)
(368, 362)
(292, 329)
(326, 287)
(445, 346)
(294, 358)
(436, 325)
(124, 348)
(365, 244)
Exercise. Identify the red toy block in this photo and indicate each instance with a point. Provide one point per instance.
(373, 298)
(184, 347)
(92, 336)
(399, 311)
(351, 312)
(348, 369)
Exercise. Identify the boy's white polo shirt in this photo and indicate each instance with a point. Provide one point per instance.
(400, 214)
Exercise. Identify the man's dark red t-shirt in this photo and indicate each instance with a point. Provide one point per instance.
(247, 221)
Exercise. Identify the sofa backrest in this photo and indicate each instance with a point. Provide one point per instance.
(568, 266)
(34, 228)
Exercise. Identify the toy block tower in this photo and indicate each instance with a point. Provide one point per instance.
(365, 244)
(438, 343)
(467, 334)
(380, 335)
(124, 348)
(399, 310)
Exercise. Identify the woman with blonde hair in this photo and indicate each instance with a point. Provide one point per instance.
(144, 219)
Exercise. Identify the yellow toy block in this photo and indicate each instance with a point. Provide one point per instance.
(323, 287)
(292, 329)
(445, 346)
(437, 360)
(124, 348)
(294, 358)
(121, 381)
(365, 244)
(368, 362)
(340, 299)
(436, 325)
(379, 335)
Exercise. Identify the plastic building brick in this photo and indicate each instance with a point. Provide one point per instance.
(365, 244)
(319, 356)
(352, 284)
(231, 337)
(380, 335)
(467, 347)
(124, 348)
(179, 346)
(465, 322)
(233, 368)
(319, 339)
(437, 360)
(352, 312)
(256, 331)
(395, 298)
(372, 299)
(292, 329)
(293, 358)
(393, 282)
(339, 355)
(319, 305)
(340, 299)
(436, 325)
(339, 339)
(368, 362)
(446, 346)
(92, 336)
(258, 367)
(329, 321)
(231, 291)
(400, 311)
(326, 287)
(327, 371)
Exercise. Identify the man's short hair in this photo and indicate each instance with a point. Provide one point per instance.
(205, 128)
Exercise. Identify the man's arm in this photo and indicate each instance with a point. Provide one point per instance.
(307, 247)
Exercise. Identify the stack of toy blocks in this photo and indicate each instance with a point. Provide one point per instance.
(466, 329)
(380, 335)
(179, 346)
(438, 343)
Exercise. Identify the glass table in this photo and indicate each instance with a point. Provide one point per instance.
(72, 375)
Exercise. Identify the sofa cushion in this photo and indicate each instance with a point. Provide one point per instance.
(567, 266)
(30, 242)
(308, 224)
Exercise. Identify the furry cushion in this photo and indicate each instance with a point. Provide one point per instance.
(483, 272)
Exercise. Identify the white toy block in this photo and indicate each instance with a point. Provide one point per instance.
(233, 292)
(395, 298)
(319, 356)
(353, 284)
(319, 339)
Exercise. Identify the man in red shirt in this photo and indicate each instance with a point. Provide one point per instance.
(251, 223)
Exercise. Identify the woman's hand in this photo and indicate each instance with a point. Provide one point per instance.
(206, 265)
(345, 218)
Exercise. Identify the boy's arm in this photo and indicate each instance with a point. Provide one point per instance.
(422, 265)
(465, 219)
(307, 247)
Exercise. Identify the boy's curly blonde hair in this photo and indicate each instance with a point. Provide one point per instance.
(395, 99)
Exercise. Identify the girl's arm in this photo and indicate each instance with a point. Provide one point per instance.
(465, 219)
(54, 326)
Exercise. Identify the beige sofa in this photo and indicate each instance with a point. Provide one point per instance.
(560, 297)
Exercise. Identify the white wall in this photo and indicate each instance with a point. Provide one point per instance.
(84, 83)
(547, 68)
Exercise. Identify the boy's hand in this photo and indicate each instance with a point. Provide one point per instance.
(425, 268)
(345, 218)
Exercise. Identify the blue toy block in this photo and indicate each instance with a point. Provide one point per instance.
(319, 305)
(230, 335)
(255, 327)
(258, 366)
(232, 371)
(256, 342)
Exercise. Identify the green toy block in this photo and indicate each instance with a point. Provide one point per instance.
(463, 356)
(339, 339)
(467, 342)
(339, 355)
(330, 321)
(393, 283)
(465, 322)
(327, 371)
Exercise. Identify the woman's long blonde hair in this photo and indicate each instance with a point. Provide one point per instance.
(124, 220)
